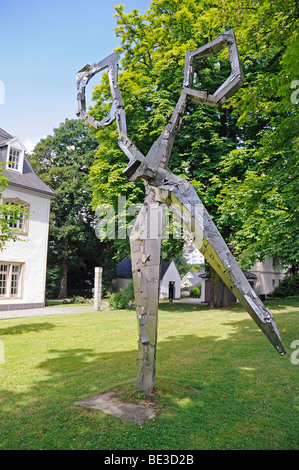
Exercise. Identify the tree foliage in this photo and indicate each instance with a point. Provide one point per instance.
(242, 158)
(262, 199)
(63, 160)
(152, 67)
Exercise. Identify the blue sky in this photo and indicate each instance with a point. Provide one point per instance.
(43, 45)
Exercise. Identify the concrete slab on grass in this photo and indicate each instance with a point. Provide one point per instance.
(136, 414)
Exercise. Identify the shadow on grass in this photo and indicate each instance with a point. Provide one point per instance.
(27, 328)
(216, 392)
(181, 307)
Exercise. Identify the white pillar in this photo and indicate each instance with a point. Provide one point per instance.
(97, 288)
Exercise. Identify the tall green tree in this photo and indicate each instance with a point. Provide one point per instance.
(242, 158)
(152, 67)
(63, 161)
(261, 196)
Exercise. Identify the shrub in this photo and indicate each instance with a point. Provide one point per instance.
(195, 292)
(287, 287)
(77, 299)
(118, 301)
(128, 292)
(123, 298)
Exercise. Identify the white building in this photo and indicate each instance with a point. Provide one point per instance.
(192, 255)
(268, 275)
(263, 278)
(170, 283)
(23, 263)
(193, 279)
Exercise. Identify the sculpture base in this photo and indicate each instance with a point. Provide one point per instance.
(106, 402)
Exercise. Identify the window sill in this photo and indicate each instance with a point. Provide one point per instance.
(3, 297)
(13, 169)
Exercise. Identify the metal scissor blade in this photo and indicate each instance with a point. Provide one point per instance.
(199, 225)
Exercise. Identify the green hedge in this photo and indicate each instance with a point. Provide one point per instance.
(122, 299)
(287, 287)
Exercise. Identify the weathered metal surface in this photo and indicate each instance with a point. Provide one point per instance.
(145, 242)
(163, 187)
(208, 240)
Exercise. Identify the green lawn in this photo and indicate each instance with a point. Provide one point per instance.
(219, 383)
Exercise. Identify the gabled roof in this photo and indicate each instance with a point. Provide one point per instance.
(28, 179)
(165, 266)
(250, 275)
(4, 136)
(194, 278)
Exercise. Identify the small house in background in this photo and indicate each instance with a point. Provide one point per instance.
(192, 255)
(267, 276)
(263, 277)
(196, 279)
(170, 282)
(191, 280)
(23, 263)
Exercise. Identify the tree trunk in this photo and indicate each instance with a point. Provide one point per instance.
(219, 291)
(294, 269)
(63, 279)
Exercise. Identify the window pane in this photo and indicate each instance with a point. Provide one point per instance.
(10, 280)
(14, 157)
(3, 279)
(19, 224)
(15, 280)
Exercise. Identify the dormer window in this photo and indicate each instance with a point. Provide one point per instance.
(14, 158)
(15, 155)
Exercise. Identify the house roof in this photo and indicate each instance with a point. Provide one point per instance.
(124, 268)
(165, 266)
(4, 136)
(250, 275)
(28, 178)
(194, 277)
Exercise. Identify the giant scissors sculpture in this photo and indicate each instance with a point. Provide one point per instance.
(163, 187)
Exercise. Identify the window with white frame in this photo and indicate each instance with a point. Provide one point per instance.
(15, 155)
(11, 279)
(21, 223)
(14, 158)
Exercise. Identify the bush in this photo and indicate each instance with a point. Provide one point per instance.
(118, 301)
(128, 292)
(195, 292)
(287, 287)
(77, 299)
(123, 298)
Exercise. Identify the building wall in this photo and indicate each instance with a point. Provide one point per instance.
(32, 251)
(122, 282)
(268, 276)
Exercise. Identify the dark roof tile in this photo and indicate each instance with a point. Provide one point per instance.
(4, 136)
